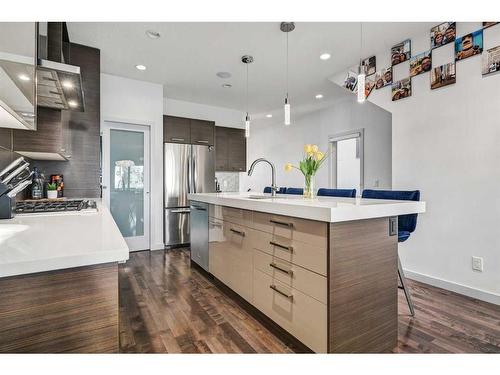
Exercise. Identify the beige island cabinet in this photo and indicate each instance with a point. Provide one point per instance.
(323, 270)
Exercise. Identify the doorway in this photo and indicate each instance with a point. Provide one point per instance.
(347, 162)
(126, 180)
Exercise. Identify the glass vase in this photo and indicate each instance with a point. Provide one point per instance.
(309, 186)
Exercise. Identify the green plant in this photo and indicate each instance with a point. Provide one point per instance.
(52, 186)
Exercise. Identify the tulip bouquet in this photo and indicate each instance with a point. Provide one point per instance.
(309, 165)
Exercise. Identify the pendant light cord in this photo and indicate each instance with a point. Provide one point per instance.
(287, 64)
(361, 45)
(247, 89)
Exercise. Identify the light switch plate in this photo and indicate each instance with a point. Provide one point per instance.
(477, 264)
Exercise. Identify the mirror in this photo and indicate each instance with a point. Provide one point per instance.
(18, 75)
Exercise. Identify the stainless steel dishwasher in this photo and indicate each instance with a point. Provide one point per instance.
(199, 234)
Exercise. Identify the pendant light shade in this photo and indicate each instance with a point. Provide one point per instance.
(361, 70)
(286, 27)
(247, 59)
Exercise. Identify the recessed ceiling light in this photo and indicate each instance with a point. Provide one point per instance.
(227, 85)
(24, 77)
(324, 56)
(67, 84)
(223, 75)
(72, 103)
(319, 96)
(140, 67)
(269, 115)
(153, 34)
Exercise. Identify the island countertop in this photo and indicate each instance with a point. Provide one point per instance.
(47, 242)
(327, 209)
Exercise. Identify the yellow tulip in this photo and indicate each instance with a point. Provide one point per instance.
(308, 148)
(314, 149)
(319, 155)
(288, 167)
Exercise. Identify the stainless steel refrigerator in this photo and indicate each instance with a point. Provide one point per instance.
(187, 169)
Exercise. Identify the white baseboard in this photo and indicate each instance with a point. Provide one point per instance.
(454, 287)
(157, 246)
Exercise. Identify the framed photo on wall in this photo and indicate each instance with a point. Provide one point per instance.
(401, 89)
(401, 52)
(443, 75)
(369, 85)
(443, 34)
(370, 65)
(469, 45)
(488, 24)
(383, 78)
(491, 61)
(420, 63)
(351, 81)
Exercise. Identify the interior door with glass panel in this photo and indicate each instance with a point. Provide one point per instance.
(126, 179)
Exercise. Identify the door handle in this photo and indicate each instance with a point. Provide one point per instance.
(202, 141)
(238, 232)
(180, 211)
(177, 139)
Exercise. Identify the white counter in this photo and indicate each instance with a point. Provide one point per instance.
(46, 242)
(329, 209)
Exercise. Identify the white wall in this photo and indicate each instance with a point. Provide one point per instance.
(446, 143)
(133, 101)
(282, 144)
(222, 116)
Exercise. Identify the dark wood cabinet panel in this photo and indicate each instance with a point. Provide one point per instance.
(176, 129)
(230, 150)
(202, 132)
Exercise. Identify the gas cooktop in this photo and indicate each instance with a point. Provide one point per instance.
(30, 207)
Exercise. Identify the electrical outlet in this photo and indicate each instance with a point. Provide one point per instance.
(477, 264)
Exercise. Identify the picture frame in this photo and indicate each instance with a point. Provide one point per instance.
(490, 61)
(401, 52)
(469, 45)
(383, 78)
(350, 81)
(443, 34)
(443, 75)
(369, 85)
(401, 89)
(489, 24)
(370, 64)
(421, 63)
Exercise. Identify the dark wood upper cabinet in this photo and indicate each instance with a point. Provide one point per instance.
(176, 129)
(202, 132)
(230, 150)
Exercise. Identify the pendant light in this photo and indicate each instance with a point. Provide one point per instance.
(361, 70)
(286, 27)
(247, 59)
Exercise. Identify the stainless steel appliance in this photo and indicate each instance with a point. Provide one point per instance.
(199, 234)
(187, 169)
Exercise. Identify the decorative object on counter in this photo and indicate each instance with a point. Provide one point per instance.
(401, 52)
(488, 24)
(51, 190)
(13, 179)
(401, 89)
(350, 81)
(420, 63)
(309, 165)
(443, 75)
(58, 179)
(37, 184)
(383, 78)
(469, 45)
(370, 65)
(491, 61)
(369, 85)
(443, 34)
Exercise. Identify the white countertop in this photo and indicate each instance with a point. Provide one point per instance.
(329, 209)
(46, 242)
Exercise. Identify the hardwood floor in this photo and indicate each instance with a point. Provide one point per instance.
(168, 307)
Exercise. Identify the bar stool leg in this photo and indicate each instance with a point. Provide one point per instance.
(405, 288)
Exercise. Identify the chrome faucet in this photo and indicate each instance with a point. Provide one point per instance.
(273, 171)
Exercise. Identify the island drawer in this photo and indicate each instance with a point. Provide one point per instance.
(231, 214)
(308, 282)
(311, 232)
(302, 254)
(301, 315)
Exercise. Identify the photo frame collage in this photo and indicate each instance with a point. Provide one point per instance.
(466, 46)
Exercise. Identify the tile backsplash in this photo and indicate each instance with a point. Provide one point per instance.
(228, 181)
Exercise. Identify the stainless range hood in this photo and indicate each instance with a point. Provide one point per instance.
(59, 85)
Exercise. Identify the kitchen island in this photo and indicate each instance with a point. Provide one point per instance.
(323, 270)
(59, 282)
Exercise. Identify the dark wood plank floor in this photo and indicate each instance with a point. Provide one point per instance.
(168, 307)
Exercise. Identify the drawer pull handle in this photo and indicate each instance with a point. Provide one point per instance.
(289, 296)
(199, 141)
(275, 266)
(289, 225)
(177, 139)
(199, 208)
(289, 248)
(239, 233)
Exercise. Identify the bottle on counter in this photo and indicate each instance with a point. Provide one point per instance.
(37, 184)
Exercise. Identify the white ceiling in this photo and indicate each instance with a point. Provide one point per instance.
(188, 55)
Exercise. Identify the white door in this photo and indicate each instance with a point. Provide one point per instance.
(126, 179)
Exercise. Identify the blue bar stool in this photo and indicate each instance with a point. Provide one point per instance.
(294, 191)
(406, 225)
(281, 190)
(344, 193)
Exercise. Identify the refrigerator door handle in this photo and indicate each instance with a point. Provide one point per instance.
(194, 170)
(189, 173)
